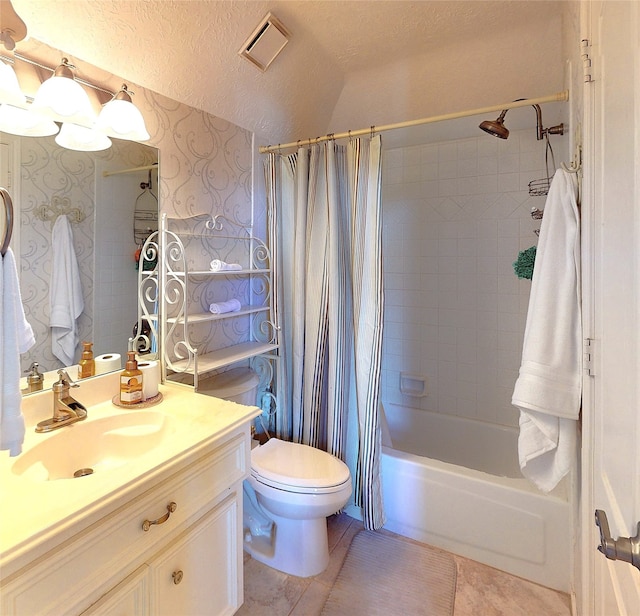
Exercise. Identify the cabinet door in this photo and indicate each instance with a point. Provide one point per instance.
(201, 571)
(129, 598)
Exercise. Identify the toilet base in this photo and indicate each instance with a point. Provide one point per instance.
(296, 547)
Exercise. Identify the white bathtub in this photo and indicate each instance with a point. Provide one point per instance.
(492, 515)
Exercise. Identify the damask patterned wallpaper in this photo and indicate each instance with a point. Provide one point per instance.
(205, 161)
(49, 174)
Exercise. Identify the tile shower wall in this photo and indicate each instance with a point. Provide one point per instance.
(455, 216)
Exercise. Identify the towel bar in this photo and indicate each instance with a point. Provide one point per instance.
(8, 220)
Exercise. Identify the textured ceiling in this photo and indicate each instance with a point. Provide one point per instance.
(187, 50)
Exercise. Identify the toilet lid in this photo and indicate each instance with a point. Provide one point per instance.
(296, 465)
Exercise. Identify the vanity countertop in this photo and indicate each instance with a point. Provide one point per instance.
(37, 515)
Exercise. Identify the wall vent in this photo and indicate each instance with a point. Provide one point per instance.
(265, 42)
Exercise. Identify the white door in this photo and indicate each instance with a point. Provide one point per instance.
(611, 214)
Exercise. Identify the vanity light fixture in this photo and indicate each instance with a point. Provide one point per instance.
(10, 91)
(12, 28)
(82, 139)
(121, 118)
(23, 122)
(63, 99)
(15, 118)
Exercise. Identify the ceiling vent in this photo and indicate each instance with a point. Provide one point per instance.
(265, 42)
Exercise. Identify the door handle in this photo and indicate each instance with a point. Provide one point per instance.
(622, 548)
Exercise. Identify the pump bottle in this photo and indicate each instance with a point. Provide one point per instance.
(131, 381)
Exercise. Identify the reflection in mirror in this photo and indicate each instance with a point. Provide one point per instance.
(101, 194)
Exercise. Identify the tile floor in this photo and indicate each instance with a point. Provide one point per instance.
(480, 590)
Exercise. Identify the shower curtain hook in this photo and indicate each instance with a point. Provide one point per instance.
(373, 128)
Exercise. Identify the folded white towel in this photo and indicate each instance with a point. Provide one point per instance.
(233, 305)
(65, 293)
(549, 386)
(16, 336)
(221, 266)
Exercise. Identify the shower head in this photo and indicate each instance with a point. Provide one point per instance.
(496, 127)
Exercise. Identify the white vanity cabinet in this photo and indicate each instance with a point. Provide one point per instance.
(187, 562)
(189, 578)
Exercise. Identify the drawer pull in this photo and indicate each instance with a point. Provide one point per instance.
(147, 524)
(177, 577)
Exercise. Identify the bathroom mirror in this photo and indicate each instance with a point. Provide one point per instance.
(98, 192)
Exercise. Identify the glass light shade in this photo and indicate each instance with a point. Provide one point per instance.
(63, 99)
(122, 119)
(10, 91)
(24, 122)
(82, 139)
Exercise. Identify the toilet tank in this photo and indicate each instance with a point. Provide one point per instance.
(238, 385)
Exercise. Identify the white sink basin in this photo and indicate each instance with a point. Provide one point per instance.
(93, 446)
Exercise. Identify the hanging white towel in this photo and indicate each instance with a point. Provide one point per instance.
(221, 266)
(233, 305)
(16, 337)
(65, 293)
(549, 386)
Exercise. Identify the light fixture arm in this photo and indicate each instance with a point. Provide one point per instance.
(124, 94)
(64, 69)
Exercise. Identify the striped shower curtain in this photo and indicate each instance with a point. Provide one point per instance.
(325, 227)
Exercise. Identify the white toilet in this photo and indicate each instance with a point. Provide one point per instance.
(291, 491)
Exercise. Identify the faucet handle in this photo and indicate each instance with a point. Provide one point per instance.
(65, 379)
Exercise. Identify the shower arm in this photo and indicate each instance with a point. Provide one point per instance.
(552, 130)
(540, 131)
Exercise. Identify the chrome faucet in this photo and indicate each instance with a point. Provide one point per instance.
(66, 410)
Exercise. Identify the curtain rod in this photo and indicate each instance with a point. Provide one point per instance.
(553, 98)
(107, 174)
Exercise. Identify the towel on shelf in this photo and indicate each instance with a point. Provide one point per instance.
(221, 266)
(65, 293)
(549, 386)
(233, 305)
(16, 337)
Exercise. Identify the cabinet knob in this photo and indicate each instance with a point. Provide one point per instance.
(177, 577)
(147, 524)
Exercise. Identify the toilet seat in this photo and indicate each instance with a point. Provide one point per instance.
(294, 467)
(287, 487)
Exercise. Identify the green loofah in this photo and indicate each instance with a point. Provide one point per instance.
(523, 267)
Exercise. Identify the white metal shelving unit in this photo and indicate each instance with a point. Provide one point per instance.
(194, 341)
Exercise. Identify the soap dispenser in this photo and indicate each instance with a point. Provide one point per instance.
(87, 365)
(131, 381)
(35, 379)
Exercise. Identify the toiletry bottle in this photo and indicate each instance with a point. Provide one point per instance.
(87, 365)
(131, 381)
